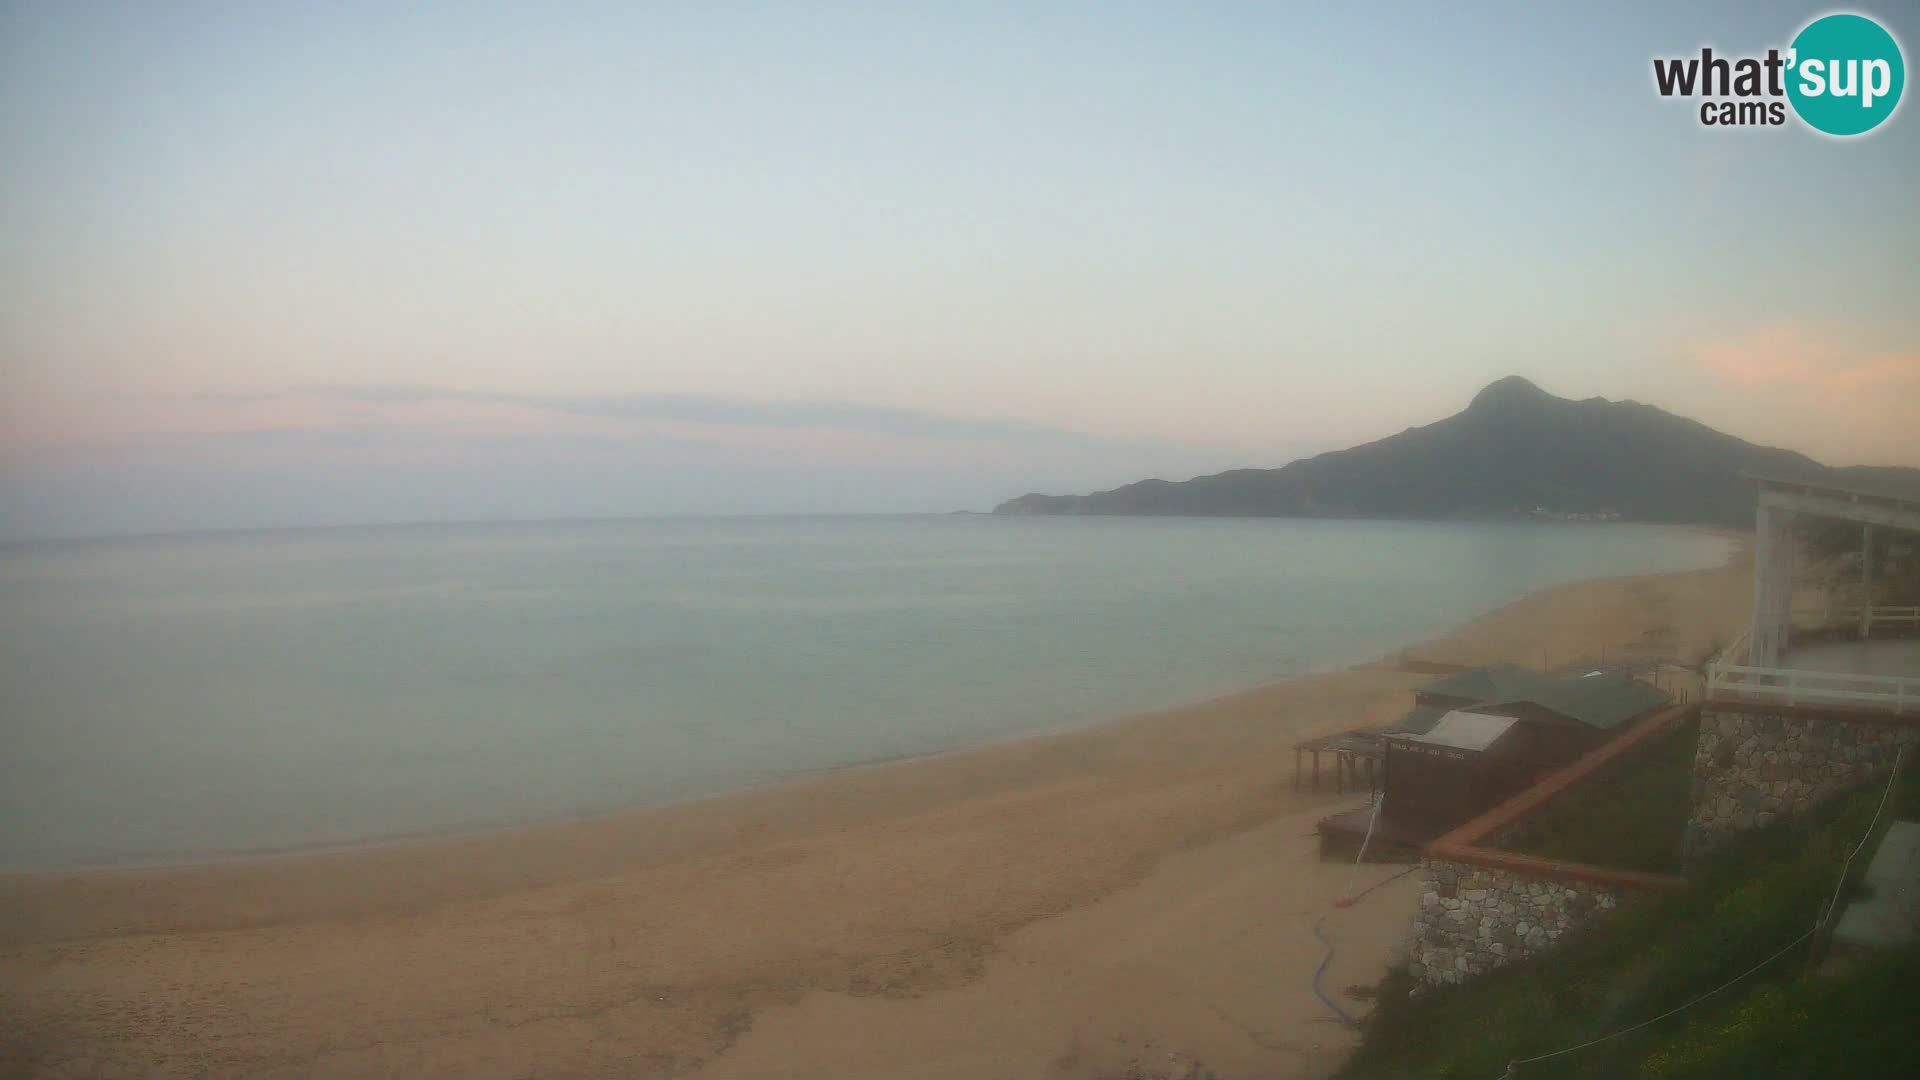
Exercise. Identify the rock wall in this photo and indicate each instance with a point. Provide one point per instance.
(1752, 768)
(1473, 919)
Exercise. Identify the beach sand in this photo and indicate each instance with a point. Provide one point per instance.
(1132, 898)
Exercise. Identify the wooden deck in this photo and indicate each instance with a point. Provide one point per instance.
(1342, 834)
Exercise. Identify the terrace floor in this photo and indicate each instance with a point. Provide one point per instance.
(1897, 657)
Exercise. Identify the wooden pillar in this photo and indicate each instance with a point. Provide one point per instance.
(1316, 768)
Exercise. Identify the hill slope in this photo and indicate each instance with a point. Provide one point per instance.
(1513, 449)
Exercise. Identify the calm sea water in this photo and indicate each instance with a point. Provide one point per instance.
(189, 697)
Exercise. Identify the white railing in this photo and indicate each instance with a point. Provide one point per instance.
(1878, 614)
(1799, 686)
(1850, 616)
(1729, 675)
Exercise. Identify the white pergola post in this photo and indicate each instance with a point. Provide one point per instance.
(1772, 585)
(1866, 581)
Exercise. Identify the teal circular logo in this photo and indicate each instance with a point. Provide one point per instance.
(1845, 74)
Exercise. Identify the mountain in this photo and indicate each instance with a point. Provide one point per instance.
(1514, 450)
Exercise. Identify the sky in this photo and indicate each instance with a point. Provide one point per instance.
(274, 264)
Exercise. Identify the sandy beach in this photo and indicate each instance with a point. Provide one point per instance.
(1135, 897)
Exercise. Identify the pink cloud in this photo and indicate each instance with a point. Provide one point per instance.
(1800, 353)
(1844, 396)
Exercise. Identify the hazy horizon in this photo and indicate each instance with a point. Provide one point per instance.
(266, 267)
(207, 525)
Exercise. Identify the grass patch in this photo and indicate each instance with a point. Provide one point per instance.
(1634, 818)
(1764, 889)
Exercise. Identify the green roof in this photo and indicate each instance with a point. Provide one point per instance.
(1419, 721)
(1603, 701)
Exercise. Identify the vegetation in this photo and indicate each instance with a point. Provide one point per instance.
(1514, 450)
(1637, 820)
(1764, 890)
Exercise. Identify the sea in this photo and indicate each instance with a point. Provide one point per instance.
(170, 699)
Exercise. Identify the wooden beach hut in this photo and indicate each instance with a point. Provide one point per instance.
(1474, 738)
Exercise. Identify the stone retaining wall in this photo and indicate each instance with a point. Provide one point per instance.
(1473, 919)
(1754, 767)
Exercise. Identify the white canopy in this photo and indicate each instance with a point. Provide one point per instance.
(1463, 730)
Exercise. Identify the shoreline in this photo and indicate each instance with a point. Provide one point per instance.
(1029, 907)
(1390, 659)
(392, 849)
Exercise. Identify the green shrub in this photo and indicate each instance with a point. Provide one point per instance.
(1761, 890)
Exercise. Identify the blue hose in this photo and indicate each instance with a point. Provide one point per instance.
(1345, 1017)
(1319, 931)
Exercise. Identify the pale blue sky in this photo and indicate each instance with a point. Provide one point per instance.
(285, 263)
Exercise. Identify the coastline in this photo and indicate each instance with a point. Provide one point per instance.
(1392, 658)
(736, 934)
